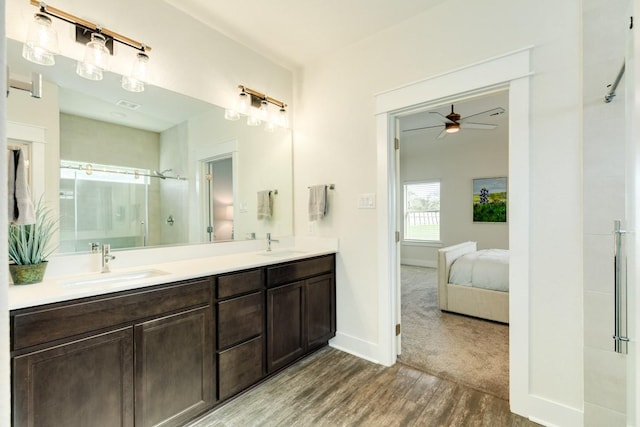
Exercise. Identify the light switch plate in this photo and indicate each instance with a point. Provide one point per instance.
(367, 201)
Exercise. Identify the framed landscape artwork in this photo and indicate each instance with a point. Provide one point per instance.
(490, 200)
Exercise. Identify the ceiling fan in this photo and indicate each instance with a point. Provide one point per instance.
(453, 122)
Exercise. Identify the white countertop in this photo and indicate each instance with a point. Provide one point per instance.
(63, 287)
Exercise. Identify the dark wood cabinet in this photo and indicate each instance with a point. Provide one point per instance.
(76, 383)
(135, 358)
(300, 309)
(173, 368)
(240, 325)
(164, 355)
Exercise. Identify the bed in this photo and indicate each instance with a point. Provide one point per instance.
(468, 299)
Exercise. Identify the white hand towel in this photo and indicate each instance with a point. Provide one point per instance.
(21, 209)
(317, 202)
(264, 204)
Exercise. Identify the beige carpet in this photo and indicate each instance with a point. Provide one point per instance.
(463, 349)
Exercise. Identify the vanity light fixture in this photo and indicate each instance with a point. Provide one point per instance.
(255, 106)
(42, 44)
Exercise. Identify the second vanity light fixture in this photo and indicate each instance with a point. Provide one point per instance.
(42, 45)
(255, 105)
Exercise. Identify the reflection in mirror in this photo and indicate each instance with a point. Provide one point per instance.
(151, 168)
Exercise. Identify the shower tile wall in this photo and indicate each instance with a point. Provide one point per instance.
(92, 141)
(605, 28)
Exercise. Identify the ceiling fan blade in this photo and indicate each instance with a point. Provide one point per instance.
(467, 125)
(443, 118)
(422, 128)
(442, 134)
(493, 112)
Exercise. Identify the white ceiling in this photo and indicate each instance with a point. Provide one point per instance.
(295, 32)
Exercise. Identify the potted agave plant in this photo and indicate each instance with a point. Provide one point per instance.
(29, 247)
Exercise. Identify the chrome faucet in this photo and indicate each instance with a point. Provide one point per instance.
(269, 240)
(106, 257)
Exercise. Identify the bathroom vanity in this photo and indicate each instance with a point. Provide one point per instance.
(165, 353)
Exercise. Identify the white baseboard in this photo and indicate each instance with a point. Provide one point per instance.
(419, 262)
(352, 345)
(552, 414)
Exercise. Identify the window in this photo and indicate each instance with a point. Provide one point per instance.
(422, 211)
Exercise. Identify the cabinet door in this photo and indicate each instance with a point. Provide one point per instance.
(174, 368)
(320, 310)
(285, 329)
(76, 384)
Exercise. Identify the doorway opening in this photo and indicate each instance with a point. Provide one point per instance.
(218, 178)
(510, 71)
(437, 169)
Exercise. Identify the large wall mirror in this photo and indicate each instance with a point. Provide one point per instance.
(151, 168)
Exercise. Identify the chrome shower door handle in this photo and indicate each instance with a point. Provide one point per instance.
(620, 290)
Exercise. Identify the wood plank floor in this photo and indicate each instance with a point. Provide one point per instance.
(333, 388)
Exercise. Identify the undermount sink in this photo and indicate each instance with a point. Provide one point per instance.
(282, 253)
(110, 278)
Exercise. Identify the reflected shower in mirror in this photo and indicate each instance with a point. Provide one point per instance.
(148, 169)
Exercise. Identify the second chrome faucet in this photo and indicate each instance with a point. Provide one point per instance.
(106, 257)
(269, 240)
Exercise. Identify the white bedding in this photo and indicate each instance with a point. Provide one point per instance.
(486, 268)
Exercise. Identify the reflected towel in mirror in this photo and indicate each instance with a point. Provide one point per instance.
(317, 202)
(21, 209)
(264, 204)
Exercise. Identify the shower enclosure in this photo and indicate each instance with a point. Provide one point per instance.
(103, 203)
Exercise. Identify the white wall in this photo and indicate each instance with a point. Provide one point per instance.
(604, 201)
(262, 163)
(456, 161)
(335, 142)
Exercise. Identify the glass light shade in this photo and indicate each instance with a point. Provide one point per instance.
(270, 126)
(96, 58)
(42, 41)
(253, 120)
(452, 128)
(282, 120)
(263, 112)
(243, 102)
(232, 115)
(88, 71)
(134, 82)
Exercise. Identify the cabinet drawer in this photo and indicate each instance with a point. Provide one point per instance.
(240, 319)
(239, 283)
(286, 273)
(35, 326)
(240, 367)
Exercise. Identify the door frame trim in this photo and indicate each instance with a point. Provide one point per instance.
(511, 71)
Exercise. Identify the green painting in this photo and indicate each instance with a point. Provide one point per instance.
(490, 200)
